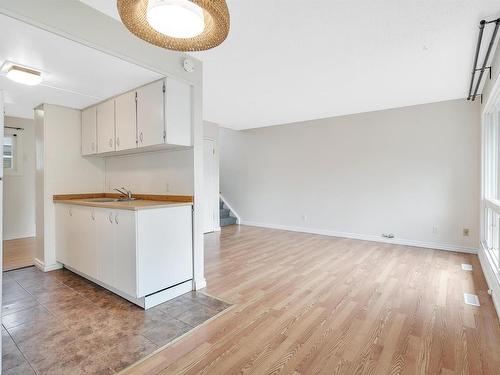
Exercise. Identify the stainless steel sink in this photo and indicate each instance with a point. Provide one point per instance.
(101, 200)
(108, 200)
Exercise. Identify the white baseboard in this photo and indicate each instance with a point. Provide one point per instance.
(367, 237)
(491, 279)
(17, 236)
(46, 268)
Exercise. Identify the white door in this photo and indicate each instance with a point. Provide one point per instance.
(106, 126)
(125, 117)
(150, 116)
(209, 185)
(89, 131)
(125, 246)
(105, 246)
(178, 114)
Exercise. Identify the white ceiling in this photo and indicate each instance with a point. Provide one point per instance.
(75, 76)
(295, 60)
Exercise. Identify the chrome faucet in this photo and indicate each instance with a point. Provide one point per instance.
(125, 192)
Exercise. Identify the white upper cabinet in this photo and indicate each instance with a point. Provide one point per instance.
(89, 131)
(158, 115)
(178, 117)
(150, 116)
(126, 127)
(106, 126)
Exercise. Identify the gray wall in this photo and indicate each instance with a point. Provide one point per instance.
(411, 171)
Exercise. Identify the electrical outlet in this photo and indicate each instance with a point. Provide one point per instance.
(167, 187)
(435, 229)
(466, 232)
(304, 217)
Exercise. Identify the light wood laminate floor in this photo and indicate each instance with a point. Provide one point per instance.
(309, 304)
(18, 253)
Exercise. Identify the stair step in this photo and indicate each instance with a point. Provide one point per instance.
(221, 204)
(227, 221)
(224, 212)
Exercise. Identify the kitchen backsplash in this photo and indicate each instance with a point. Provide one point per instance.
(161, 172)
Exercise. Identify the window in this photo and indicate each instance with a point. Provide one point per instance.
(491, 187)
(9, 150)
(13, 152)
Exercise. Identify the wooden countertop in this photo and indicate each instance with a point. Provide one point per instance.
(141, 202)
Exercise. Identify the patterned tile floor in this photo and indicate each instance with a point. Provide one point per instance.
(60, 323)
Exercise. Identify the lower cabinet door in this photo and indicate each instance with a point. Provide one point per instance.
(72, 239)
(125, 252)
(62, 227)
(105, 246)
(83, 242)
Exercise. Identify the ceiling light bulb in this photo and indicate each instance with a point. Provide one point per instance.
(176, 18)
(25, 76)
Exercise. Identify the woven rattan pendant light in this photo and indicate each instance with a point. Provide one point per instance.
(134, 14)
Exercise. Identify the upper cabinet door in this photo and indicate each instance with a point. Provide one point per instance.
(178, 113)
(126, 128)
(89, 131)
(106, 126)
(150, 116)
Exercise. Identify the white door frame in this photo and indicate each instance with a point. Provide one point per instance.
(214, 201)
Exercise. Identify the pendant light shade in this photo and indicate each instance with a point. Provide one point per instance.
(181, 25)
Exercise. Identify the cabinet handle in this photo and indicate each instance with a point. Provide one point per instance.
(116, 218)
(110, 142)
(118, 141)
(111, 217)
(140, 137)
(70, 212)
(92, 215)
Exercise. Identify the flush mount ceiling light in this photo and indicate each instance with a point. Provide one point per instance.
(181, 25)
(21, 74)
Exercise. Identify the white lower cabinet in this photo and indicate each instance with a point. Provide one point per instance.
(134, 253)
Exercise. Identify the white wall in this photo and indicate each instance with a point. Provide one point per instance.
(412, 171)
(162, 172)
(60, 170)
(19, 190)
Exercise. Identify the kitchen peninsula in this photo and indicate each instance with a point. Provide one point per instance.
(140, 249)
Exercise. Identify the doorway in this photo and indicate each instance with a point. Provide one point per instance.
(18, 215)
(211, 195)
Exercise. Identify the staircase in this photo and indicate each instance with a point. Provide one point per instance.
(225, 215)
